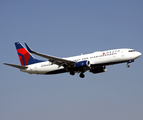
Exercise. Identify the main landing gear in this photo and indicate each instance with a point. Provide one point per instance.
(80, 75)
(72, 73)
(130, 61)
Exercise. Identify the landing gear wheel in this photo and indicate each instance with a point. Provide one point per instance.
(128, 66)
(72, 73)
(81, 75)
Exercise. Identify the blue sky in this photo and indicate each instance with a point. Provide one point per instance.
(66, 28)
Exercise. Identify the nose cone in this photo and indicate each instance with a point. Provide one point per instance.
(138, 54)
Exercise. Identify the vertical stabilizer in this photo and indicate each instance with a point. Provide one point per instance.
(24, 56)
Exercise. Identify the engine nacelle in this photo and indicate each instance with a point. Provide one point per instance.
(85, 63)
(98, 70)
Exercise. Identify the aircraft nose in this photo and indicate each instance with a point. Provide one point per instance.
(139, 54)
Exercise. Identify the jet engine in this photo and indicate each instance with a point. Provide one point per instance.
(85, 63)
(98, 69)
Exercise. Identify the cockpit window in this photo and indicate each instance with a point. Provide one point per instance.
(131, 50)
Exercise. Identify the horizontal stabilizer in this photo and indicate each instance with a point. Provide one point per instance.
(16, 66)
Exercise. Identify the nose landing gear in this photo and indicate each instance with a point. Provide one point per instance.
(130, 61)
(128, 66)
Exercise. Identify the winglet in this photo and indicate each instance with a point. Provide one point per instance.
(28, 48)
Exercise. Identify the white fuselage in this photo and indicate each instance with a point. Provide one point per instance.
(100, 58)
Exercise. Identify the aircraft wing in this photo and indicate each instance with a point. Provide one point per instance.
(16, 66)
(54, 60)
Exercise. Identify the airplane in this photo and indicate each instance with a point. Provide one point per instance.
(95, 62)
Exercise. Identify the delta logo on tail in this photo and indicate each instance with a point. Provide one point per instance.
(24, 56)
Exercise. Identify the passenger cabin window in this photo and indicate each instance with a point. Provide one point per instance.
(131, 50)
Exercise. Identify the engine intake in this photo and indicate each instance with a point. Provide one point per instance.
(85, 63)
(98, 70)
